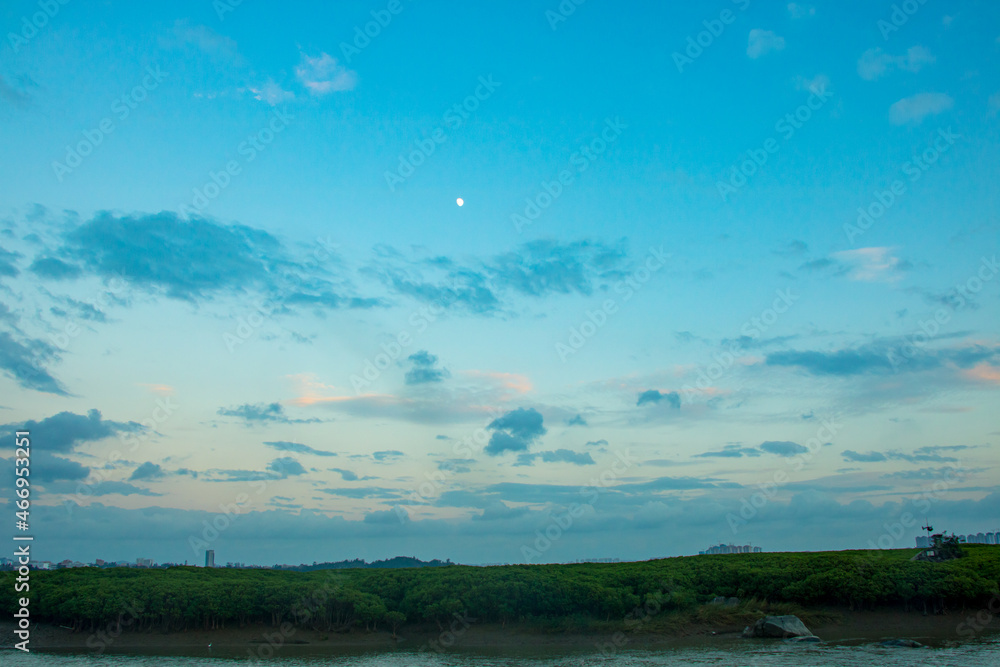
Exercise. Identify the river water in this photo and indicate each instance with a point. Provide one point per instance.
(984, 653)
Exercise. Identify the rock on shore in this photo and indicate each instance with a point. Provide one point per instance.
(778, 627)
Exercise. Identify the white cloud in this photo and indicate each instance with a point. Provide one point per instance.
(871, 264)
(272, 93)
(323, 74)
(913, 110)
(817, 84)
(763, 41)
(202, 38)
(798, 11)
(875, 63)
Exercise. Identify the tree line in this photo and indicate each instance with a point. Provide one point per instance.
(181, 598)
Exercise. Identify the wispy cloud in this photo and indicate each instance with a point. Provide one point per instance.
(875, 63)
(797, 11)
(23, 360)
(12, 95)
(323, 75)
(272, 93)
(913, 110)
(202, 38)
(761, 42)
(262, 413)
(871, 264)
(298, 448)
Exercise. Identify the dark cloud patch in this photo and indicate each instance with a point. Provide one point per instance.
(456, 465)
(676, 484)
(6, 315)
(262, 413)
(544, 267)
(196, 258)
(387, 455)
(281, 468)
(870, 457)
(672, 398)
(929, 473)
(567, 456)
(346, 475)
(535, 269)
(297, 448)
(147, 471)
(81, 310)
(186, 259)
(55, 269)
(502, 441)
(783, 448)
(8, 263)
(48, 468)
(284, 504)
(943, 448)
(597, 443)
(64, 431)
(23, 361)
(577, 421)
(921, 455)
(515, 431)
(467, 291)
(424, 369)
(841, 362)
(364, 492)
(730, 452)
(882, 357)
(286, 467)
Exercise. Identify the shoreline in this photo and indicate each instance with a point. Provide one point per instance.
(850, 627)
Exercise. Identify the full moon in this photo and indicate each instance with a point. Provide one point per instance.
(459, 201)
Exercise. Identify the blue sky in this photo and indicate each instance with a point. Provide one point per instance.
(722, 273)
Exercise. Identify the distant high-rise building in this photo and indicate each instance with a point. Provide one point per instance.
(210, 558)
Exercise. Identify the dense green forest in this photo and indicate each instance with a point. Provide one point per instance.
(188, 597)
